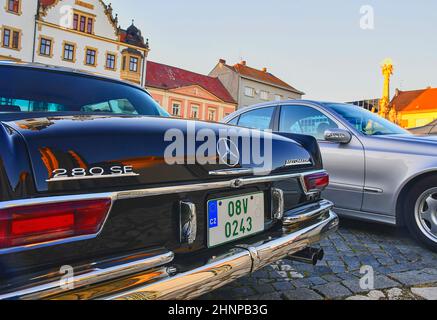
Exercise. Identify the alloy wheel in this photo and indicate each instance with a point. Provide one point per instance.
(426, 213)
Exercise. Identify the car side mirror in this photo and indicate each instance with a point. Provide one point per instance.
(338, 136)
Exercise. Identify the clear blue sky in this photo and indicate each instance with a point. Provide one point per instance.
(315, 45)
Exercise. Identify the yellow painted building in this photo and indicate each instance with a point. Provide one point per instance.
(415, 108)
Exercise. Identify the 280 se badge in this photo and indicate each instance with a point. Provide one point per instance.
(92, 173)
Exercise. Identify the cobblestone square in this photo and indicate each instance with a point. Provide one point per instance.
(402, 270)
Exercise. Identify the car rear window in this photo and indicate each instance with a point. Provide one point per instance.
(25, 89)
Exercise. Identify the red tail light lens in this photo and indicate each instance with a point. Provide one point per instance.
(35, 224)
(316, 182)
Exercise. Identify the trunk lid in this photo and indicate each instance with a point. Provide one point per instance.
(88, 153)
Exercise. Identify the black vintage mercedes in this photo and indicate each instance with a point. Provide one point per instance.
(98, 200)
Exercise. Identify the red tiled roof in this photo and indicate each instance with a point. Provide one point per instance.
(261, 75)
(168, 77)
(417, 100)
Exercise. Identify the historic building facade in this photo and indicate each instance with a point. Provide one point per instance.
(415, 108)
(81, 34)
(189, 95)
(249, 86)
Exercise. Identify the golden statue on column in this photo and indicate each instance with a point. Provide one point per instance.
(384, 104)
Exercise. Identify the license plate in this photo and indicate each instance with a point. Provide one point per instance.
(230, 219)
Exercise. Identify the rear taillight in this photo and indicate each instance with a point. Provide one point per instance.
(36, 224)
(316, 182)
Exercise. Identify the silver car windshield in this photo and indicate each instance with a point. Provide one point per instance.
(365, 121)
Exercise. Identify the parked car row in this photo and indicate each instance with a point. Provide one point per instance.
(94, 206)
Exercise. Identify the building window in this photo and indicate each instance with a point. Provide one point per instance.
(194, 112)
(75, 21)
(6, 38)
(11, 38)
(249, 92)
(110, 61)
(69, 52)
(278, 97)
(211, 115)
(264, 95)
(133, 64)
(91, 57)
(82, 24)
(15, 40)
(176, 109)
(45, 47)
(14, 6)
(89, 28)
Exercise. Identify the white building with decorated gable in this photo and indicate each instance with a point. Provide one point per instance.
(73, 33)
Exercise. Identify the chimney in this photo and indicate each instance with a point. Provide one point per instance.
(264, 70)
(243, 62)
(222, 61)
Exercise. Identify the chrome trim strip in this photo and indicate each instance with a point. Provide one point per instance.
(108, 176)
(149, 192)
(133, 194)
(55, 199)
(231, 172)
(98, 274)
(373, 190)
(236, 183)
(345, 187)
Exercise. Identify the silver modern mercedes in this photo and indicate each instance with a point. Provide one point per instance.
(379, 171)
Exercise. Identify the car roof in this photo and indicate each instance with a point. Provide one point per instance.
(52, 68)
(278, 103)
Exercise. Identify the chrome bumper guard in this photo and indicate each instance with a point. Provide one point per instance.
(153, 278)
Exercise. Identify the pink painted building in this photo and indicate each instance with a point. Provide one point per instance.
(187, 94)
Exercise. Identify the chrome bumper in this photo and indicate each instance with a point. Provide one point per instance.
(154, 278)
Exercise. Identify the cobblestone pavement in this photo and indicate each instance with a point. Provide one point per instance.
(402, 270)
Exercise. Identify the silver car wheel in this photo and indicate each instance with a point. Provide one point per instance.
(426, 213)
